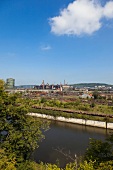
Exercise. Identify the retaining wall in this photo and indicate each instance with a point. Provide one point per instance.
(76, 121)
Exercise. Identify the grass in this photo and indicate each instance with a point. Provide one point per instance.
(69, 115)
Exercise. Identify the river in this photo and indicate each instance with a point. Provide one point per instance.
(64, 140)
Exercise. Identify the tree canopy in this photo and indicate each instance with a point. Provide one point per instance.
(20, 134)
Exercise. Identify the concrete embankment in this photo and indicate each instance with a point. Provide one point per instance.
(74, 120)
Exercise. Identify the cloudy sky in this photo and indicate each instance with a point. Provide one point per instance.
(56, 40)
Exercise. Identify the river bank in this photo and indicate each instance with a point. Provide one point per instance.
(69, 138)
(100, 124)
(80, 112)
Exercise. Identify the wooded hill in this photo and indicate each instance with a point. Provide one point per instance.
(91, 85)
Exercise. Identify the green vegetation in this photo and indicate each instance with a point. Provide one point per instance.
(90, 105)
(20, 134)
(69, 115)
(85, 110)
(91, 85)
(100, 153)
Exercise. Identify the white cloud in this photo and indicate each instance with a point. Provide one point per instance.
(45, 48)
(108, 10)
(81, 17)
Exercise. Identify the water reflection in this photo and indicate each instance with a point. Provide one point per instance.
(69, 138)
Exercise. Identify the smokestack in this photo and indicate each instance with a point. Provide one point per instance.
(43, 84)
(64, 82)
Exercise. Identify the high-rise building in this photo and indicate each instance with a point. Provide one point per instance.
(10, 83)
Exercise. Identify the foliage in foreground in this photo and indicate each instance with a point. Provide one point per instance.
(8, 164)
(100, 151)
(20, 134)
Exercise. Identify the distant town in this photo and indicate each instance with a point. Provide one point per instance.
(83, 90)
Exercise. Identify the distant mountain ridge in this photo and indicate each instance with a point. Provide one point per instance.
(91, 85)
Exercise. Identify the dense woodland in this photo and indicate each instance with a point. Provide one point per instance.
(20, 134)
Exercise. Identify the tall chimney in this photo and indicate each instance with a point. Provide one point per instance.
(64, 82)
(43, 84)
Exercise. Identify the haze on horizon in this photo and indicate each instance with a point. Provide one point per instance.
(68, 39)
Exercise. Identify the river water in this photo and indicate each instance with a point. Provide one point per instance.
(64, 140)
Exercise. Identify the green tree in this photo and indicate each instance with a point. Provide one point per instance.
(95, 94)
(106, 165)
(2, 84)
(6, 162)
(71, 166)
(99, 151)
(19, 133)
(86, 165)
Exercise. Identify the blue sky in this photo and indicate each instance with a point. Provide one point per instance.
(56, 41)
